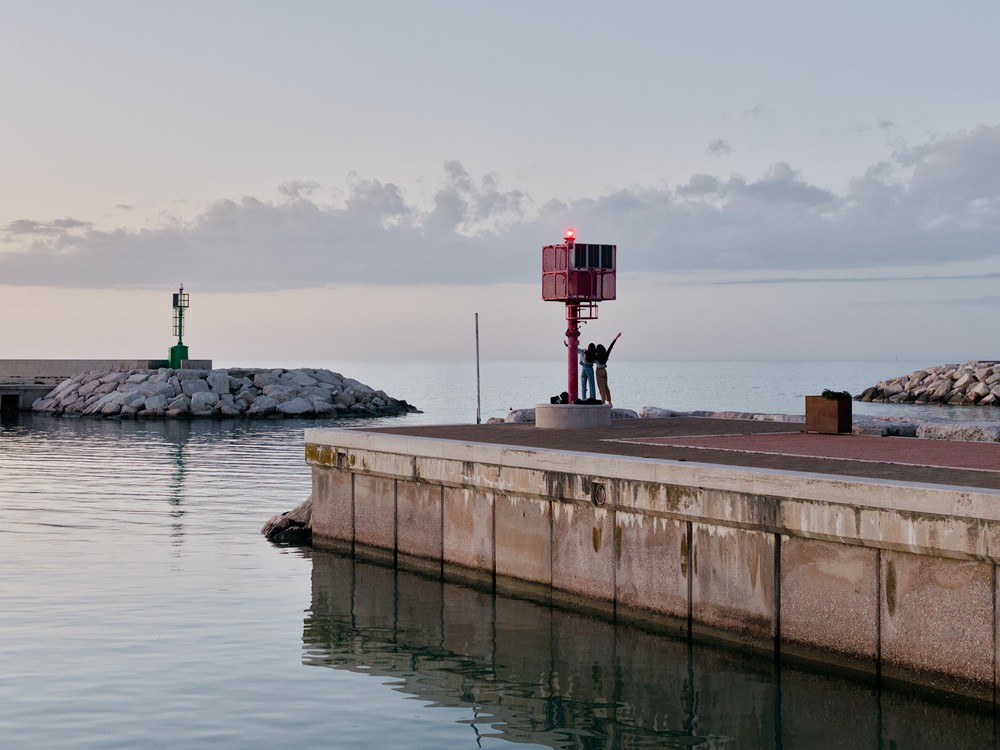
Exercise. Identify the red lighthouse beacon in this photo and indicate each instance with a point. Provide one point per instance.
(580, 275)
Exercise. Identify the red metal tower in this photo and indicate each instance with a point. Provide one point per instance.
(581, 275)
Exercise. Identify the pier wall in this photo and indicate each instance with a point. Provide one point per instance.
(67, 368)
(891, 578)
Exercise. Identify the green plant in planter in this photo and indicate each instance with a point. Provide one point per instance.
(834, 395)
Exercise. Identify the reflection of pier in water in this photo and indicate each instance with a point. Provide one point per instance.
(532, 673)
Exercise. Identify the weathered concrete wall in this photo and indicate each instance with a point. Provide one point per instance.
(885, 577)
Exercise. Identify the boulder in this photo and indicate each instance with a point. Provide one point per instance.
(617, 413)
(203, 402)
(182, 375)
(965, 380)
(218, 381)
(344, 400)
(296, 407)
(180, 404)
(299, 379)
(89, 387)
(158, 388)
(262, 406)
(227, 406)
(892, 389)
(331, 378)
(266, 378)
(291, 527)
(156, 403)
(520, 416)
(279, 392)
(191, 386)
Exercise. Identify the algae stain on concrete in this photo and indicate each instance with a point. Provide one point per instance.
(890, 587)
(598, 534)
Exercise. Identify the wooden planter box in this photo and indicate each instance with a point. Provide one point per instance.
(828, 415)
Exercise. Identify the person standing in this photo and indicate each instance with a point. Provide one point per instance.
(601, 363)
(587, 357)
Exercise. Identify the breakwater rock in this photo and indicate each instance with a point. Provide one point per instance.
(233, 392)
(293, 527)
(975, 382)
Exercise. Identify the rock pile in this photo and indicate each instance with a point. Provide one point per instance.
(975, 382)
(230, 392)
(293, 527)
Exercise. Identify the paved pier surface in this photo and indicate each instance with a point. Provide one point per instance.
(734, 442)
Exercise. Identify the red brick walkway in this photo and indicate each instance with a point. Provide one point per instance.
(951, 454)
(765, 445)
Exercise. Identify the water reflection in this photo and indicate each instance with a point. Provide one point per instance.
(529, 673)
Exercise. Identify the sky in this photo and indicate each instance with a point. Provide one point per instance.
(344, 180)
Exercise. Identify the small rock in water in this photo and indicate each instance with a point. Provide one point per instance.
(290, 527)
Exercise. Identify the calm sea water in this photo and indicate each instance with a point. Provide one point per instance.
(141, 608)
(446, 391)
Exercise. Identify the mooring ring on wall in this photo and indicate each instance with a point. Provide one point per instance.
(598, 494)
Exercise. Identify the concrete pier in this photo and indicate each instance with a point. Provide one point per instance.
(874, 554)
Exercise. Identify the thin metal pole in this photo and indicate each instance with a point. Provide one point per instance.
(572, 355)
(478, 399)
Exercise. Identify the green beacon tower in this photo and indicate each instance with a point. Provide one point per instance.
(179, 352)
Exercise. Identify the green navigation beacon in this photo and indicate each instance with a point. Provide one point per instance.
(179, 352)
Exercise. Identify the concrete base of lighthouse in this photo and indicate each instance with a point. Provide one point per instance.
(572, 416)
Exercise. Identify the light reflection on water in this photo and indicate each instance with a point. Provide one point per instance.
(142, 608)
(537, 674)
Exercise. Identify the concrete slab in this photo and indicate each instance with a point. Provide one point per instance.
(583, 546)
(652, 559)
(334, 518)
(937, 619)
(828, 595)
(523, 538)
(419, 520)
(374, 511)
(732, 583)
(468, 529)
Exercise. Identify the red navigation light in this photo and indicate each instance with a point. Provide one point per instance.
(569, 234)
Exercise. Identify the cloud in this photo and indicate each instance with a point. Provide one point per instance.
(924, 205)
(298, 188)
(718, 147)
(759, 110)
(54, 227)
(851, 279)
